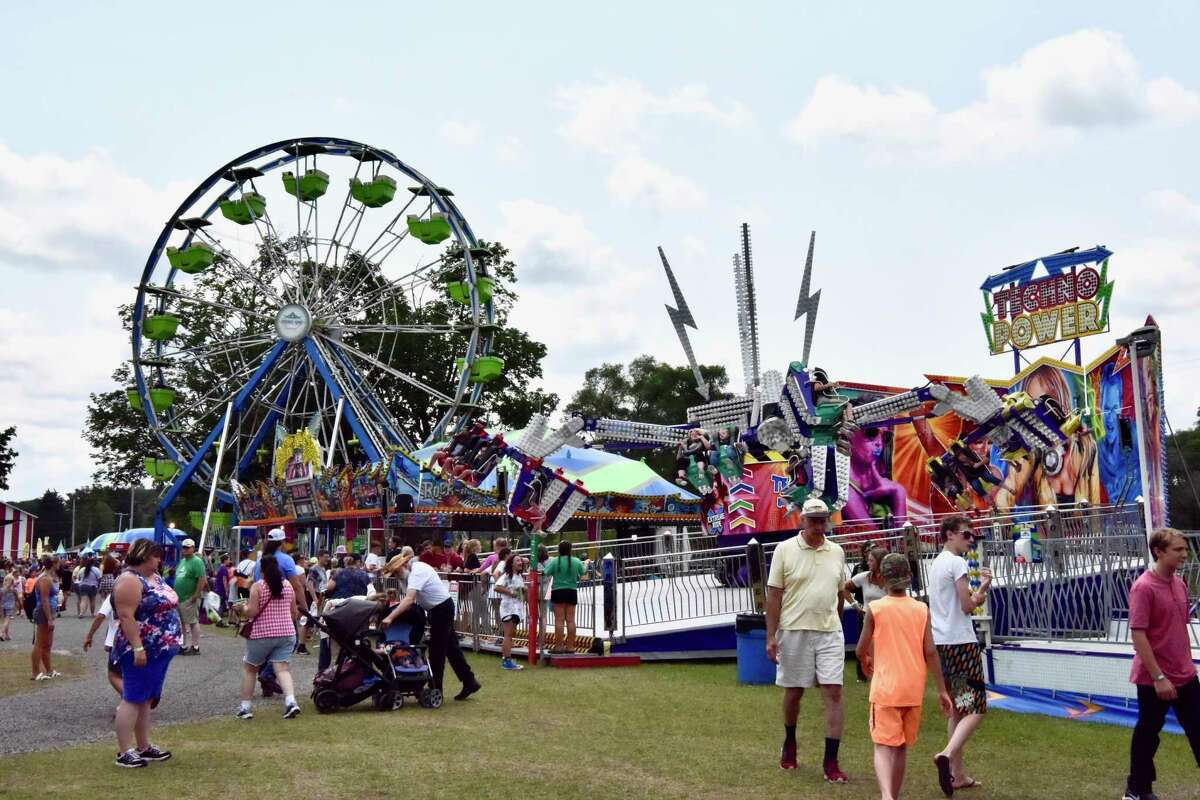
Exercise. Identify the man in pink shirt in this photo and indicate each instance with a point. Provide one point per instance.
(1162, 665)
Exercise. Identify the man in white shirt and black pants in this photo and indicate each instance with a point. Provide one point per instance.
(951, 603)
(426, 590)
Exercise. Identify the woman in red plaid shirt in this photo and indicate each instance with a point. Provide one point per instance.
(273, 613)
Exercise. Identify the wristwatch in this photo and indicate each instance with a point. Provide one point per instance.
(1156, 678)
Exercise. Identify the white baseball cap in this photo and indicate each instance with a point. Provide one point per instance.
(187, 543)
(276, 535)
(815, 507)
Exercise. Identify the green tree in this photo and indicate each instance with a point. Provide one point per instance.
(1183, 477)
(54, 518)
(7, 454)
(120, 437)
(646, 390)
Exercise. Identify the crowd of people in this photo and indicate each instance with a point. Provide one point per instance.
(152, 614)
(905, 641)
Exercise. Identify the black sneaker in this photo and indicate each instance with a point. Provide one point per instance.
(152, 753)
(245, 713)
(468, 690)
(1132, 795)
(130, 760)
(301, 650)
(195, 651)
(291, 711)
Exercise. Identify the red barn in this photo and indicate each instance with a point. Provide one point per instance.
(16, 531)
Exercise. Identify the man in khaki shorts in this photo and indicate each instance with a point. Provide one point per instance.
(804, 630)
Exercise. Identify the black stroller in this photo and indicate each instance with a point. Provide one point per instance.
(386, 666)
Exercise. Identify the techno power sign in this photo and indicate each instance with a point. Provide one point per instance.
(1069, 302)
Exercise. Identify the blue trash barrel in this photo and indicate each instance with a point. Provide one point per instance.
(753, 666)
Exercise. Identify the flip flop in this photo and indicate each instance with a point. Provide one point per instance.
(945, 778)
(971, 783)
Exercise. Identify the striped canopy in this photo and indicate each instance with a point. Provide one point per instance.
(601, 472)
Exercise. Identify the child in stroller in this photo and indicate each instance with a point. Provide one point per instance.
(383, 665)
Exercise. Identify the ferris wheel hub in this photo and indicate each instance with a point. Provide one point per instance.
(293, 322)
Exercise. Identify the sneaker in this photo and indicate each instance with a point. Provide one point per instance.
(54, 674)
(834, 774)
(41, 676)
(291, 711)
(130, 760)
(468, 690)
(508, 663)
(302, 650)
(787, 756)
(245, 713)
(195, 651)
(152, 753)
(1132, 795)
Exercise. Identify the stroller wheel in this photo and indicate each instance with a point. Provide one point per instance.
(431, 698)
(387, 700)
(326, 701)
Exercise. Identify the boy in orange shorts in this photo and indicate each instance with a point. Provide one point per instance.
(896, 649)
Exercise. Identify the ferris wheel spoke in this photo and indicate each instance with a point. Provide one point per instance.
(432, 329)
(175, 294)
(389, 229)
(228, 258)
(219, 347)
(364, 395)
(409, 379)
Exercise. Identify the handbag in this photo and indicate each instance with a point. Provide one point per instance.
(248, 626)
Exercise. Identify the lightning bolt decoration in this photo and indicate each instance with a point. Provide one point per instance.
(681, 318)
(806, 303)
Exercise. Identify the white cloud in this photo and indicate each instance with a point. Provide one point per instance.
(1057, 89)
(1175, 204)
(619, 115)
(620, 118)
(463, 134)
(58, 212)
(510, 150)
(640, 182)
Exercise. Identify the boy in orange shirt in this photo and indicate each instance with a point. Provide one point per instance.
(896, 649)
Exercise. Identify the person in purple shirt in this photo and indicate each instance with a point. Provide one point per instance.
(1162, 664)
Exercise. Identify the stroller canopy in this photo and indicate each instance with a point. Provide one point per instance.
(351, 618)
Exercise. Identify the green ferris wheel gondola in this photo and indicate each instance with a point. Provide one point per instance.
(192, 260)
(434, 230)
(162, 398)
(460, 291)
(160, 327)
(160, 470)
(308, 187)
(135, 399)
(374, 193)
(244, 210)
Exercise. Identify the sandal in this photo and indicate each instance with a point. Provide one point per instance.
(945, 779)
(968, 783)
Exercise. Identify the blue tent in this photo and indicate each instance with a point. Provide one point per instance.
(101, 543)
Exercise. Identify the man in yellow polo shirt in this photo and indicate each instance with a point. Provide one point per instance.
(804, 630)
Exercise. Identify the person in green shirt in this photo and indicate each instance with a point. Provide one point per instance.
(565, 570)
(190, 585)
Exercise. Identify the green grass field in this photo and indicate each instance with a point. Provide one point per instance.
(14, 671)
(654, 731)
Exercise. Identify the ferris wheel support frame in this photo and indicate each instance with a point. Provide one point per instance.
(185, 475)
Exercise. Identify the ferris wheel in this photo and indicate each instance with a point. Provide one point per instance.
(313, 283)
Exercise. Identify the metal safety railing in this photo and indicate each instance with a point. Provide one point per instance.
(1060, 573)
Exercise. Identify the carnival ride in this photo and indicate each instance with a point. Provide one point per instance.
(801, 418)
(273, 306)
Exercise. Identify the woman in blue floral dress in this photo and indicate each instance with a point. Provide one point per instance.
(147, 639)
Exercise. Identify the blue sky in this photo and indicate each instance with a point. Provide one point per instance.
(928, 146)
